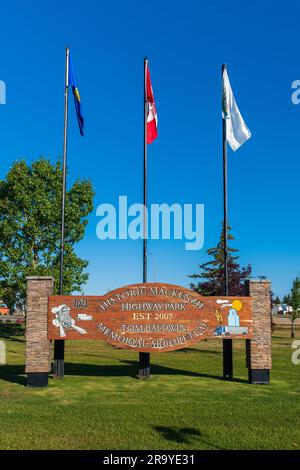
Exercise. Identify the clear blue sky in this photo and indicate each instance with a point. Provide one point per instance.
(186, 42)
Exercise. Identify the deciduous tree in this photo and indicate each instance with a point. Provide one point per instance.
(30, 225)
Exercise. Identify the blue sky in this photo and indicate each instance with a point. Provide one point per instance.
(186, 43)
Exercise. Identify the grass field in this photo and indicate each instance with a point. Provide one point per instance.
(185, 405)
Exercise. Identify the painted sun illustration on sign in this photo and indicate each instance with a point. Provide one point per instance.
(237, 305)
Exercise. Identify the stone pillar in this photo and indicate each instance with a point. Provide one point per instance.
(38, 351)
(259, 349)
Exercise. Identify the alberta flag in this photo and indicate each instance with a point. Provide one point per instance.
(78, 106)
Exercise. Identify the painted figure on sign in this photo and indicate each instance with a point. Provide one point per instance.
(63, 320)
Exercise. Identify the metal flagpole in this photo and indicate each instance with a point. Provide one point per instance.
(227, 343)
(145, 254)
(59, 345)
(225, 201)
(144, 358)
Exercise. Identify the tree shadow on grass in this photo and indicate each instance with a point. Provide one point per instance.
(126, 368)
(13, 374)
(12, 332)
(183, 435)
(179, 435)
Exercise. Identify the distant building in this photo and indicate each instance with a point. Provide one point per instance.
(281, 309)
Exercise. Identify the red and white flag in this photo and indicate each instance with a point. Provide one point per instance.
(152, 114)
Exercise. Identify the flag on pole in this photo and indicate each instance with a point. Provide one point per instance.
(236, 130)
(78, 107)
(151, 112)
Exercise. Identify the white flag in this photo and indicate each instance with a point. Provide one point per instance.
(236, 130)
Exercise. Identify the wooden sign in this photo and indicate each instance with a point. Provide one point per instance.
(149, 317)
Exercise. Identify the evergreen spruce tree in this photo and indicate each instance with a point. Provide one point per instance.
(287, 299)
(212, 272)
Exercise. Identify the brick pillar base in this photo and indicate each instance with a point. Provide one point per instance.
(259, 376)
(259, 349)
(38, 351)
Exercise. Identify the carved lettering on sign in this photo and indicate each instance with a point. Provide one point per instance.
(149, 317)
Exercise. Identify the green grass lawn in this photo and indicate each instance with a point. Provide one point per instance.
(185, 405)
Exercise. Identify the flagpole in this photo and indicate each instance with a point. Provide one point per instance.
(59, 345)
(145, 254)
(144, 358)
(227, 343)
(225, 200)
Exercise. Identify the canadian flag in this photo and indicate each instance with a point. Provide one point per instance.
(152, 114)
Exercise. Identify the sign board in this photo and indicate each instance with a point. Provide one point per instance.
(149, 317)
